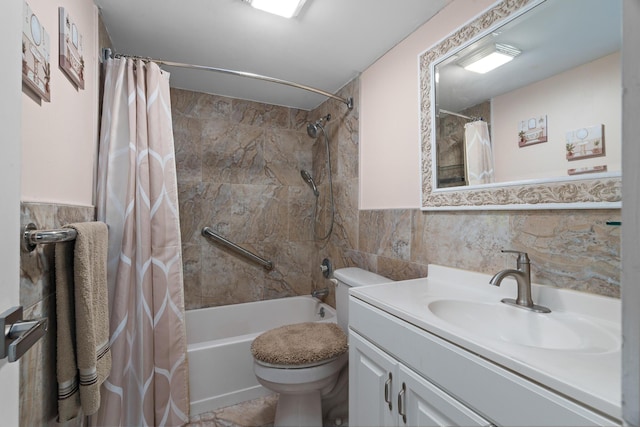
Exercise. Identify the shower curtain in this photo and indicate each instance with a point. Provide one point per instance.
(137, 198)
(478, 153)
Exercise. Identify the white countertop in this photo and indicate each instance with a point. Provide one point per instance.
(591, 376)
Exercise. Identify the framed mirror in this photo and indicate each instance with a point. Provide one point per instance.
(540, 131)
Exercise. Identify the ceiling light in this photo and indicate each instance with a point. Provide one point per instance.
(489, 58)
(284, 8)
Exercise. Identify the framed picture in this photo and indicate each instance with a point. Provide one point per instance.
(591, 169)
(585, 142)
(532, 131)
(36, 67)
(70, 58)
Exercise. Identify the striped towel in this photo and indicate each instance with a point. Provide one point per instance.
(83, 354)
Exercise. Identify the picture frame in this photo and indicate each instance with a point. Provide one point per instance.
(585, 143)
(36, 65)
(71, 57)
(532, 131)
(588, 169)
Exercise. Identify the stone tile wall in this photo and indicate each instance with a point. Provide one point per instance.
(238, 165)
(38, 386)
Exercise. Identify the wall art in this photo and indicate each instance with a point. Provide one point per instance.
(70, 57)
(532, 131)
(585, 142)
(36, 66)
(590, 169)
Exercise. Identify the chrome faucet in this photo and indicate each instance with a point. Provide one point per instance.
(523, 277)
(320, 293)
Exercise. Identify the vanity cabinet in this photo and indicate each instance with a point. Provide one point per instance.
(398, 370)
(387, 393)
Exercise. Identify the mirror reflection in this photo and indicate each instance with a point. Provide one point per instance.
(550, 110)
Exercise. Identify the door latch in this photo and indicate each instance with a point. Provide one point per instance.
(19, 335)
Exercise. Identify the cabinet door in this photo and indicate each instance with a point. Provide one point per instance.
(372, 384)
(425, 405)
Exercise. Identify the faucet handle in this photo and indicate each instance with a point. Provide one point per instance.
(523, 257)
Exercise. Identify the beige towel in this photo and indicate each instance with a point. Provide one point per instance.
(83, 355)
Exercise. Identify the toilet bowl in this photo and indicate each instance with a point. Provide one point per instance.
(303, 383)
(300, 389)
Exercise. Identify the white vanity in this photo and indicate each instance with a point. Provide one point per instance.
(444, 350)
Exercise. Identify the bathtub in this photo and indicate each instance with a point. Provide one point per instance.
(219, 341)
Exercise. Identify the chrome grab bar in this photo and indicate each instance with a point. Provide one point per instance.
(32, 236)
(208, 232)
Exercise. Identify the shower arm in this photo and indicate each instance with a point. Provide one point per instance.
(347, 101)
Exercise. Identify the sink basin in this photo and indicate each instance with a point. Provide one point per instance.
(551, 331)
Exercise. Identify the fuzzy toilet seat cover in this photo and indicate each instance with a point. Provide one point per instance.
(300, 344)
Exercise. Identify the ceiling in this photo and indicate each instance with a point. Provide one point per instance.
(327, 45)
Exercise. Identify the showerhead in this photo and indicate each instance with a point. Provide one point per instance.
(309, 180)
(312, 128)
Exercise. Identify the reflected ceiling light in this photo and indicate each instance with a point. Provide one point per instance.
(489, 58)
(284, 8)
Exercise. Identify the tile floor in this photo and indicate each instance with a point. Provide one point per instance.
(254, 413)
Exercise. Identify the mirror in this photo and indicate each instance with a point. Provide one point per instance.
(550, 134)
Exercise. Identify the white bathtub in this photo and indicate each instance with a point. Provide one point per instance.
(219, 341)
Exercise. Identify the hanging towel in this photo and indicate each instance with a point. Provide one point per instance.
(83, 355)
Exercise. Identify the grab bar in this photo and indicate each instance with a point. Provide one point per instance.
(207, 232)
(32, 236)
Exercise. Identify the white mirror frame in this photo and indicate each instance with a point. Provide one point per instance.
(601, 192)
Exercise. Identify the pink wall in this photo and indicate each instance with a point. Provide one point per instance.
(390, 175)
(584, 96)
(59, 138)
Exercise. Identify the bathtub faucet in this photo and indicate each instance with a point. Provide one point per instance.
(320, 293)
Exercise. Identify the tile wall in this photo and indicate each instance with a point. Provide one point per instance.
(238, 165)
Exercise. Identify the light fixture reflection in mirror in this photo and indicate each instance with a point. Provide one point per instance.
(518, 97)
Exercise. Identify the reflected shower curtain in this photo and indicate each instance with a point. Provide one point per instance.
(478, 153)
(137, 198)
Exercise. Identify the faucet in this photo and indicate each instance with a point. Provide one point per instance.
(320, 293)
(523, 277)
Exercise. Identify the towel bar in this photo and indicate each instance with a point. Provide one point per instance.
(32, 236)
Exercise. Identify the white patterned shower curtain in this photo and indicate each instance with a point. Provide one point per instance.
(478, 153)
(138, 199)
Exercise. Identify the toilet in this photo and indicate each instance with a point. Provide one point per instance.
(308, 361)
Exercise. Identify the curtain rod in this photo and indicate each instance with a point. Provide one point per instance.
(106, 53)
(473, 119)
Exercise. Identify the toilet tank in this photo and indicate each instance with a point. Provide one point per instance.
(352, 277)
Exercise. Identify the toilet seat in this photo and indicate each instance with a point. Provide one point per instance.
(299, 345)
(301, 366)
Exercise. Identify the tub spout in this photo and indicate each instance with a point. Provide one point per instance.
(320, 293)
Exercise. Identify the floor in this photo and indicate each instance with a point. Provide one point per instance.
(254, 413)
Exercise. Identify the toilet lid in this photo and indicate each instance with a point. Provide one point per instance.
(300, 344)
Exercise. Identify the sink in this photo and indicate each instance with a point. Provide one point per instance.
(550, 331)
